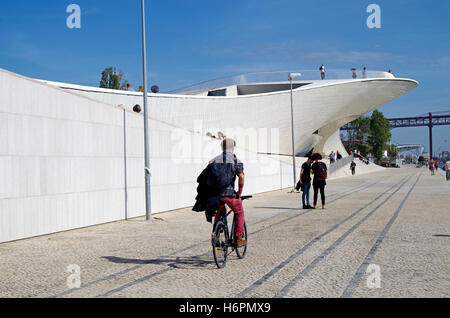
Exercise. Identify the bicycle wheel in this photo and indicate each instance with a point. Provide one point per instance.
(242, 251)
(219, 244)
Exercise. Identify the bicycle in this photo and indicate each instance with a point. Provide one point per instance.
(221, 240)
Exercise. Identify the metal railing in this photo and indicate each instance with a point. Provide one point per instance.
(279, 76)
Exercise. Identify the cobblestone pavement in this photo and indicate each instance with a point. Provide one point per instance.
(385, 234)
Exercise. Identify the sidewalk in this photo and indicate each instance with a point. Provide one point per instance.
(293, 252)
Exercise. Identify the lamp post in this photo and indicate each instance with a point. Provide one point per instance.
(146, 131)
(291, 77)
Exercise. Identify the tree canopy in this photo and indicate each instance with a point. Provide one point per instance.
(379, 134)
(360, 128)
(370, 134)
(113, 79)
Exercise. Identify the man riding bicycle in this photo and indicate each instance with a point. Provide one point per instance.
(228, 194)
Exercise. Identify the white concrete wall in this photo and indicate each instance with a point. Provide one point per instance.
(62, 161)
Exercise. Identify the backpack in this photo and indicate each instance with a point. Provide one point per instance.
(322, 168)
(221, 174)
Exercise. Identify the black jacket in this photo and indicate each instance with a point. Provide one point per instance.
(207, 199)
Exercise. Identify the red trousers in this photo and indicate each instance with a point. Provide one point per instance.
(236, 206)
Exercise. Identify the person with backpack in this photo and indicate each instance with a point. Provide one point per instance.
(222, 172)
(305, 182)
(319, 170)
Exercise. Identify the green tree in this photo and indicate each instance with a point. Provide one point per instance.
(111, 78)
(357, 135)
(380, 134)
(360, 128)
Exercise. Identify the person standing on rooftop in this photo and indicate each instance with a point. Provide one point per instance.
(322, 71)
(129, 88)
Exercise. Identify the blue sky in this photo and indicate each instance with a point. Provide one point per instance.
(196, 40)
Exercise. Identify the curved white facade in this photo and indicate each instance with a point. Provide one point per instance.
(71, 157)
(320, 109)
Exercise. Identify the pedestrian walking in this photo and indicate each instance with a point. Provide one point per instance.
(332, 157)
(432, 168)
(305, 183)
(353, 72)
(322, 71)
(353, 168)
(447, 169)
(364, 72)
(338, 155)
(319, 170)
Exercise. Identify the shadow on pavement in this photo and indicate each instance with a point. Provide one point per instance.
(177, 262)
